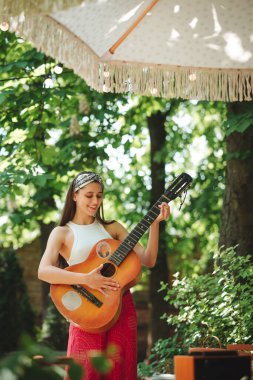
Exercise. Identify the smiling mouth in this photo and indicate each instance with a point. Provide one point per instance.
(93, 209)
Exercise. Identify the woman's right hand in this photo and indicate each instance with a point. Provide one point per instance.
(95, 280)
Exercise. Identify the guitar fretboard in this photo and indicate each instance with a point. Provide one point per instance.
(129, 243)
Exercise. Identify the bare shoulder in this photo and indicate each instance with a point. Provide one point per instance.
(60, 230)
(117, 230)
(60, 233)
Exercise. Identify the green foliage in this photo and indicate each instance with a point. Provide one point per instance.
(37, 361)
(54, 330)
(195, 144)
(208, 308)
(16, 315)
(102, 361)
(51, 126)
(240, 123)
(217, 303)
(161, 357)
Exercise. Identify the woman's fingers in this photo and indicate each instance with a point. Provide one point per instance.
(111, 285)
(98, 281)
(165, 210)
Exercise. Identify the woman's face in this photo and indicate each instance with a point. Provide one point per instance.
(89, 198)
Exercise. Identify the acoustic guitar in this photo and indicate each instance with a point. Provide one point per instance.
(91, 310)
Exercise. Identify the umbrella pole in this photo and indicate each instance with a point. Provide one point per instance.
(132, 27)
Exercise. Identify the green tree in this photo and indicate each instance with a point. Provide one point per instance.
(237, 211)
(173, 127)
(52, 125)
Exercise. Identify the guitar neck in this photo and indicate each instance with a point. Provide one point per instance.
(180, 184)
(129, 243)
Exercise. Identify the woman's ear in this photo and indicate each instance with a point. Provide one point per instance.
(74, 197)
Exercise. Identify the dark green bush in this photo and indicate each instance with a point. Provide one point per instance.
(35, 361)
(54, 330)
(213, 309)
(16, 315)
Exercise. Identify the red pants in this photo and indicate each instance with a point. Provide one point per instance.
(122, 335)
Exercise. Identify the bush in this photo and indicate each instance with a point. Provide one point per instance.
(161, 358)
(211, 309)
(54, 330)
(37, 361)
(16, 315)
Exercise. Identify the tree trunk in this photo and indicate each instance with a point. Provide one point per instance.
(237, 212)
(158, 328)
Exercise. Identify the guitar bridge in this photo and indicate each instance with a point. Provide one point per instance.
(86, 294)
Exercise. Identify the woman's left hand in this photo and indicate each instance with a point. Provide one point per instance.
(164, 213)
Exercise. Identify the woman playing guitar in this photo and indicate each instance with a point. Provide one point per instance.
(82, 225)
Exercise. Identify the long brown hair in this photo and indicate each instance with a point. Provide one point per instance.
(69, 208)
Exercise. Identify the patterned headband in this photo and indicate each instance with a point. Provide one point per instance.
(84, 179)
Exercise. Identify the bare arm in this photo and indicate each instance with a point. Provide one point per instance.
(49, 271)
(147, 255)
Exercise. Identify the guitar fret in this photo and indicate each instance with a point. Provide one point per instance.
(155, 213)
(122, 250)
(119, 254)
(149, 221)
(166, 198)
(115, 259)
(127, 244)
(138, 235)
(142, 222)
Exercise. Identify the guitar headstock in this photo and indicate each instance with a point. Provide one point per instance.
(178, 186)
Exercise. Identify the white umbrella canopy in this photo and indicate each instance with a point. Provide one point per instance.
(194, 49)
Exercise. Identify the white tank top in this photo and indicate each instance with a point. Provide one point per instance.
(85, 237)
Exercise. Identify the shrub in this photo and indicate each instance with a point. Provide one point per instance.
(36, 361)
(211, 309)
(54, 330)
(16, 315)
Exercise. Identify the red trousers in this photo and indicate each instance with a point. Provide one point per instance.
(122, 334)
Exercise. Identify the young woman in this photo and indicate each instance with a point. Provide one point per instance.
(82, 226)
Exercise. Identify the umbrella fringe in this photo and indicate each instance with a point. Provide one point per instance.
(50, 37)
(179, 82)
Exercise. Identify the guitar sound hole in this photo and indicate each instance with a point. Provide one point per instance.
(108, 270)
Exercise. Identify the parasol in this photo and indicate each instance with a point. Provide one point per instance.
(195, 49)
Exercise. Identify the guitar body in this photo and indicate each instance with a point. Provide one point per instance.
(95, 312)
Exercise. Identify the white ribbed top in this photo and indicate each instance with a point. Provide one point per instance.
(85, 237)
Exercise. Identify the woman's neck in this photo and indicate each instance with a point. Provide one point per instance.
(83, 219)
